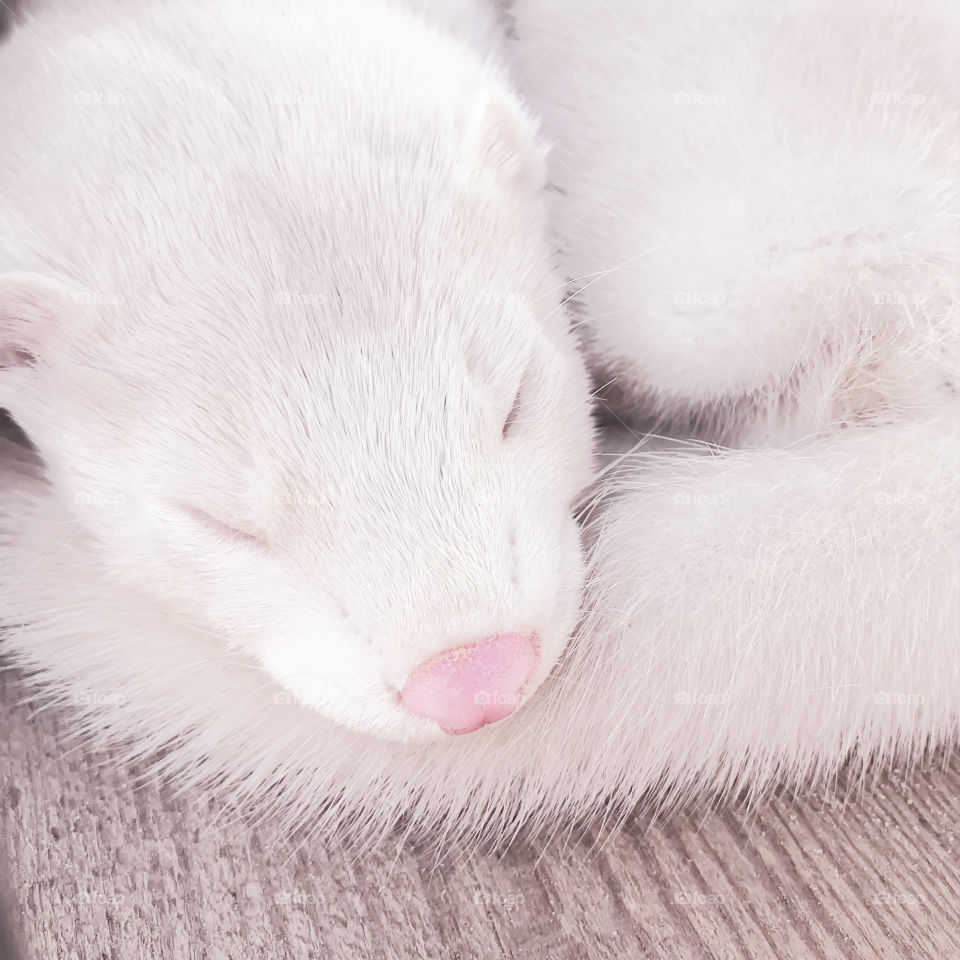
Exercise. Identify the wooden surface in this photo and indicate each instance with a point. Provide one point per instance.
(103, 870)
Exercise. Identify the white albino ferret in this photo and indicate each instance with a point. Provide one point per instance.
(314, 426)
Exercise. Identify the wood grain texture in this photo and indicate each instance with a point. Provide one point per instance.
(102, 869)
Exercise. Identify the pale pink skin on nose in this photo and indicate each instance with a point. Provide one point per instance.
(469, 686)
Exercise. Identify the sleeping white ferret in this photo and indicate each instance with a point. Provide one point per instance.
(280, 313)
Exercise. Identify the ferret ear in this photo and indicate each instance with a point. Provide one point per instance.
(502, 140)
(33, 309)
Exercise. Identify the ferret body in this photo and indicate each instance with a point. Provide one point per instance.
(763, 235)
(751, 614)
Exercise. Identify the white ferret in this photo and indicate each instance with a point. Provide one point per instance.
(279, 312)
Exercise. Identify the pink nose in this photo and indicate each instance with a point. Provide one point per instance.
(468, 686)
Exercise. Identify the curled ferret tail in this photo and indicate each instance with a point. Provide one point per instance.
(769, 611)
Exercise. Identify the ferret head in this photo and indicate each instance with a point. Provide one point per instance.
(326, 408)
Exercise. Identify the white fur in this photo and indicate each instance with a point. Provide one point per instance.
(753, 615)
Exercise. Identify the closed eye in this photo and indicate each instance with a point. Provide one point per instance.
(512, 415)
(227, 531)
